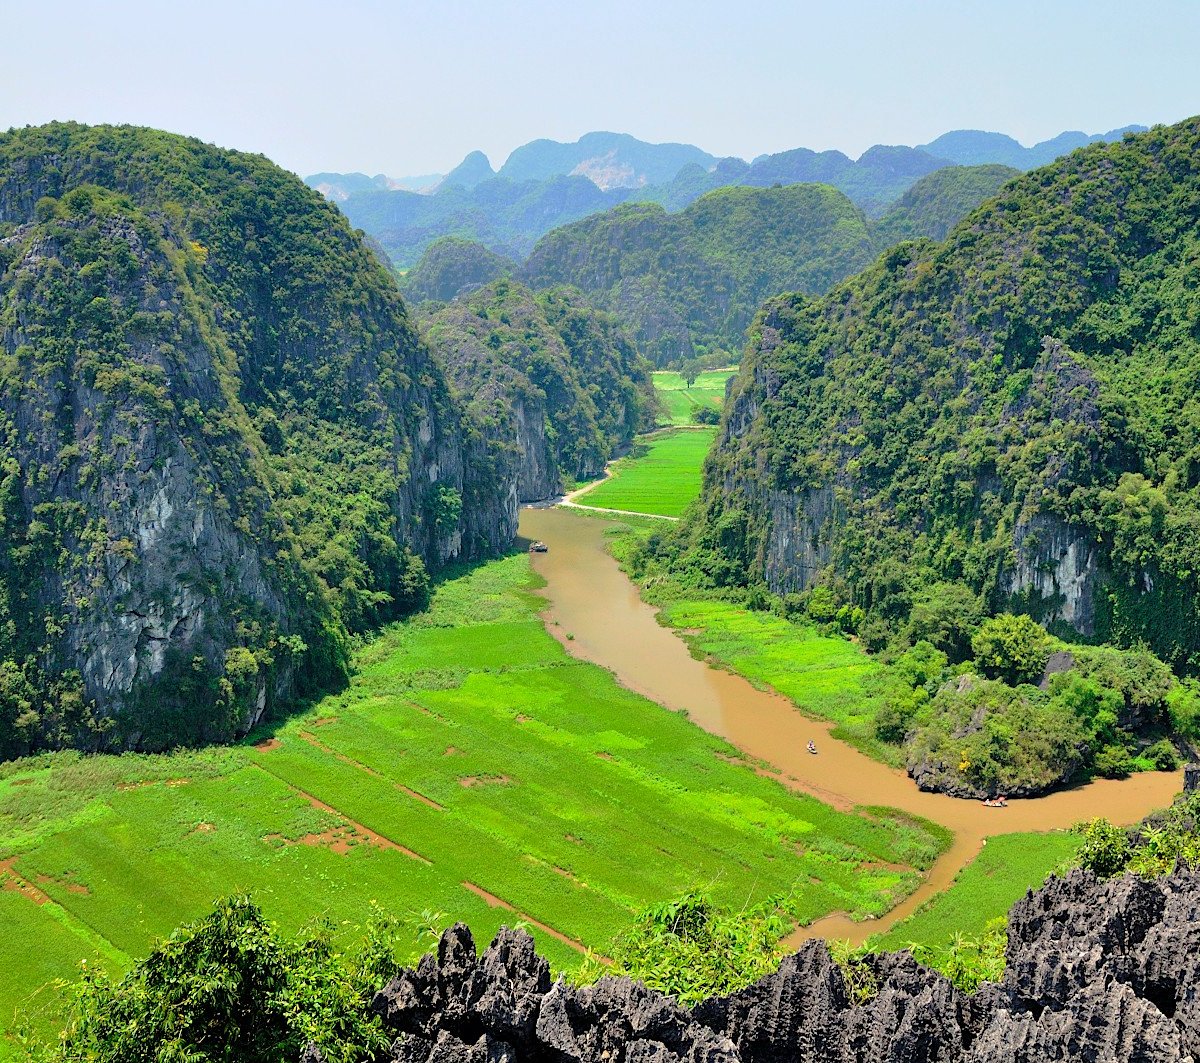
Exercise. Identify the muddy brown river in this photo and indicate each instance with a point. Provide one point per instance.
(591, 600)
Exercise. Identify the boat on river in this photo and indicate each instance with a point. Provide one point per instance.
(538, 547)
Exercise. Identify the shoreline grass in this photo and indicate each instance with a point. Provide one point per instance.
(470, 753)
(661, 476)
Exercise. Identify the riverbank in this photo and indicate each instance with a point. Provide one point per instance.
(472, 770)
(625, 637)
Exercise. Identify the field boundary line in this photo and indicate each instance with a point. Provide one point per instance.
(79, 926)
(362, 828)
(499, 902)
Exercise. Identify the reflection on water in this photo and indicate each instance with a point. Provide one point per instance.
(591, 600)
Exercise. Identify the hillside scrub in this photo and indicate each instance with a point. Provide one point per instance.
(973, 710)
(223, 450)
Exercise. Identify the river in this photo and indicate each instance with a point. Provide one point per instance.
(591, 600)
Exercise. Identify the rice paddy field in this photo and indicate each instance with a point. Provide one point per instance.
(681, 402)
(660, 476)
(472, 770)
(984, 890)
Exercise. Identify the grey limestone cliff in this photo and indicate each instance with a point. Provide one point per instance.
(1097, 971)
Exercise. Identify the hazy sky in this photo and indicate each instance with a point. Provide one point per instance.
(406, 88)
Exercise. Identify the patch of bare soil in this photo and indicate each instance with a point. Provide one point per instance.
(11, 882)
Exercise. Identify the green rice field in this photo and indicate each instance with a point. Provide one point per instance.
(680, 402)
(985, 889)
(826, 676)
(472, 769)
(661, 476)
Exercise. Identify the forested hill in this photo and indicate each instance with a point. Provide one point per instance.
(687, 284)
(452, 265)
(553, 384)
(1012, 412)
(222, 447)
(694, 279)
(938, 202)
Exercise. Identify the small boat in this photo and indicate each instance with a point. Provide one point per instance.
(995, 802)
(538, 547)
(812, 747)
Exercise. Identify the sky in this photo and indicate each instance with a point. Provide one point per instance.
(408, 88)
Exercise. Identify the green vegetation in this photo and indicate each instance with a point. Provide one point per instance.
(1002, 423)
(1150, 849)
(687, 284)
(661, 475)
(970, 413)
(825, 675)
(450, 266)
(232, 987)
(692, 950)
(471, 762)
(982, 892)
(951, 718)
(552, 383)
(683, 402)
(938, 202)
(234, 418)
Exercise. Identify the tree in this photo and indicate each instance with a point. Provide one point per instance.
(1012, 648)
(945, 614)
(231, 987)
(691, 369)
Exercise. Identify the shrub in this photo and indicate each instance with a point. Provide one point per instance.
(693, 950)
(1012, 648)
(1114, 762)
(1162, 755)
(1106, 848)
(230, 987)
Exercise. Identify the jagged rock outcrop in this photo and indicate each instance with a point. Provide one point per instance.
(1097, 971)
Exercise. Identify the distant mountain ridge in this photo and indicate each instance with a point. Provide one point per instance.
(545, 184)
(611, 160)
(973, 147)
(687, 283)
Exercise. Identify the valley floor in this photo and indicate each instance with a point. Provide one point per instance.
(473, 770)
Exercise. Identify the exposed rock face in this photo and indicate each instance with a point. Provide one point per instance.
(1097, 971)
(184, 396)
(551, 385)
(976, 423)
(1058, 567)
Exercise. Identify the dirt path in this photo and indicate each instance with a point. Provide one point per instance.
(570, 499)
(498, 902)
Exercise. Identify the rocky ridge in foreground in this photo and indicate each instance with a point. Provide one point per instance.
(1097, 970)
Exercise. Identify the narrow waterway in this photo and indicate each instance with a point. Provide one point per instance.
(595, 611)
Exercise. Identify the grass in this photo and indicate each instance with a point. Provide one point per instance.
(825, 676)
(662, 475)
(985, 889)
(680, 402)
(469, 750)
